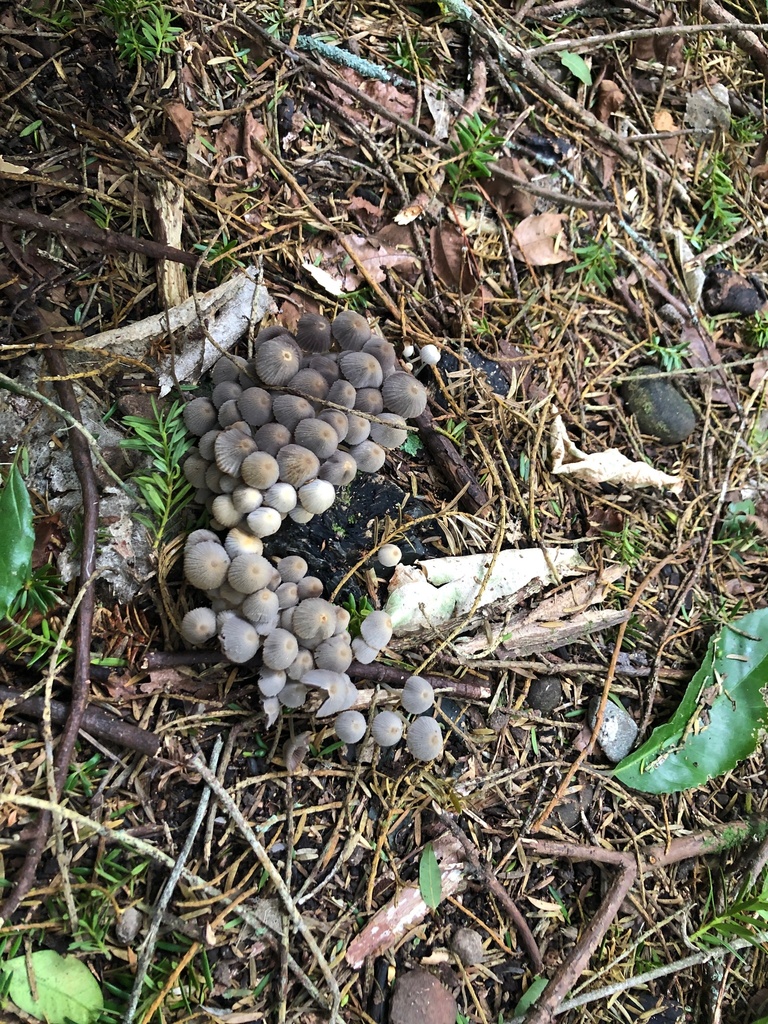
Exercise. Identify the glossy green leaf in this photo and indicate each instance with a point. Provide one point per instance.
(577, 66)
(430, 879)
(17, 538)
(530, 996)
(722, 717)
(65, 988)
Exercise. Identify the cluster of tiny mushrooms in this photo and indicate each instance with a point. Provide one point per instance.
(278, 436)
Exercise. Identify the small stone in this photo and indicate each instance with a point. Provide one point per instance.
(659, 408)
(545, 693)
(709, 107)
(128, 925)
(618, 731)
(419, 998)
(467, 944)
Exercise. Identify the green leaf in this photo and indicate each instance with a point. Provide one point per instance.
(721, 718)
(532, 993)
(577, 66)
(17, 538)
(66, 989)
(430, 879)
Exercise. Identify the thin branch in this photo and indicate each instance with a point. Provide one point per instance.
(95, 721)
(297, 921)
(105, 240)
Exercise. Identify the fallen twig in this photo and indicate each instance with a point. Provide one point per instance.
(105, 240)
(631, 866)
(297, 921)
(527, 940)
(81, 459)
(96, 721)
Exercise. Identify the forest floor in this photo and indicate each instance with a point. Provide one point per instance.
(552, 195)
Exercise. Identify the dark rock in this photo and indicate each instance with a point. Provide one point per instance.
(725, 291)
(545, 694)
(659, 408)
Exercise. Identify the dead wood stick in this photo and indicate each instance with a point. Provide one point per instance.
(81, 459)
(497, 889)
(631, 865)
(469, 686)
(95, 720)
(744, 39)
(105, 240)
(451, 464)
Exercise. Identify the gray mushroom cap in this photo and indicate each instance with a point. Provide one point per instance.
(424, 739)
(239, 639)
(404, 395)
(200, 416)
(350, 726)
(417, 696)
(260, 470)
(255, 405)
(313, 333)
(292, 568)
(272, 437)
(199, 625)
(387, 728)
(351, 330)
(298, 465)
(206, 564)
(279, 649)
(277, 360)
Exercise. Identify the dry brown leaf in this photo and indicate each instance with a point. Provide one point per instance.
(181, 119)
(252, 129)
(669, 49)
(452, 257)
(509, 197)
(366, 213)
(759, 371)
(702, 351)
(540, 240)
(333, 270)
(609, 99)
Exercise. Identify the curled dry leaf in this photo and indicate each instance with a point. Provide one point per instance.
(540, 240)
(609, 99)
(452, 257)
(607, 467)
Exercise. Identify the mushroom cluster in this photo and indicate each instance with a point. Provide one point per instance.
(276, 439)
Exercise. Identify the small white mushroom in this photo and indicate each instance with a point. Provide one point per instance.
(350, 726)
(387, 728)
(418, 695)
(424, 739)
(389, 555)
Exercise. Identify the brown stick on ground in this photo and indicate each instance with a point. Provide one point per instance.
(747, 41)
(497, 889)
(96, 721)
(105, 240)
(630, 865)
(451, 464)
(81, 458)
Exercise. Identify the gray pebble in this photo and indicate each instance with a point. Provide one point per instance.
(128, 925)
(467, 944)
(618, 731)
